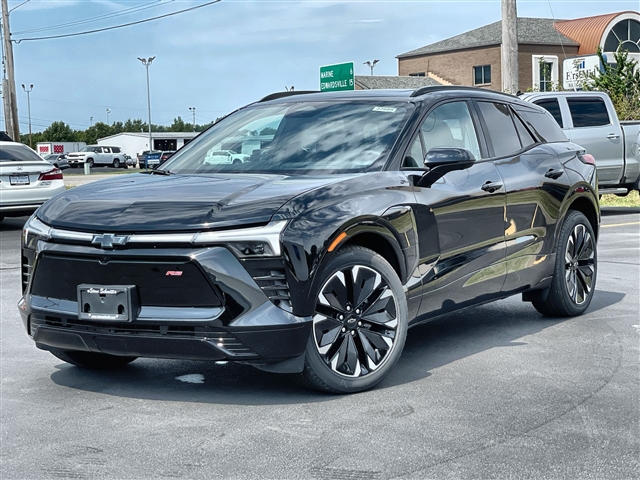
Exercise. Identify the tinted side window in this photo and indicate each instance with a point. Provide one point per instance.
(501, 129)
(106, 150)
(542, 124)
(553, 107)
(526, 139)
(115, 149)
(588, 112)
(450, 125)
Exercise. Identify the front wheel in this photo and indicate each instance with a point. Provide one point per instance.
(97, 361)
(574, 275)
(90, 162)
(359, 324)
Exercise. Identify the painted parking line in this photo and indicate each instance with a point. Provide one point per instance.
(620, 224)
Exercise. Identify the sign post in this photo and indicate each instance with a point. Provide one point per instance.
(334, 78)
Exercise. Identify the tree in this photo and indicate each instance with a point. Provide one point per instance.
(59, 132)
(621, 81)
(178, 125)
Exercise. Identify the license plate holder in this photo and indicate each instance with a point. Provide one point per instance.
(19, 180)
(107, 303)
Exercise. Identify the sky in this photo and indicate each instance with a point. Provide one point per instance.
(225, 55)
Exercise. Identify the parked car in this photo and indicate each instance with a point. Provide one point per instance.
(129, 161)
(96, 155)
(58, 160)
(370, 212)
(225, 156)
(589, 119)
(26, 180)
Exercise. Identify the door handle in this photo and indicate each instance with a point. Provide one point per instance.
(491, 187)
(613, 135)
(553, 173)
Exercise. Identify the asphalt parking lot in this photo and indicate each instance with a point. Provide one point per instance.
(495, 391)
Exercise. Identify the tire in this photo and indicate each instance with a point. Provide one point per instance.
(90, 162)
(237, 161)
(575, 270)
(96, 361)
(358, 332)
(116, 163)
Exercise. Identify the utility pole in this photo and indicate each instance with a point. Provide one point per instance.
(91, 121)
(29, 107)
(509, 49)
(108, 112)
(193, 110)
(8, 79)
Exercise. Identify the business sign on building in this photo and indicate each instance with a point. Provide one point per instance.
(337, 77)
(577, 70)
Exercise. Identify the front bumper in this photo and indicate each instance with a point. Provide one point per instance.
(242, 323)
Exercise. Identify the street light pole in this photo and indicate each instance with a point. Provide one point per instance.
(193, 110)
(146, 62)
(371, 64)
(29, 108)
(108, 112)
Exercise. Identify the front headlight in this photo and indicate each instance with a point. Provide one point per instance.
(258, 241)
(34, 230)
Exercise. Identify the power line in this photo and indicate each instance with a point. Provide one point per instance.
(116, 26)
(105, 16)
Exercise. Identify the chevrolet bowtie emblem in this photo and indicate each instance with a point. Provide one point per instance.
(108, 240)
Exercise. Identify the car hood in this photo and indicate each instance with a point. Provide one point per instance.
(143, 203)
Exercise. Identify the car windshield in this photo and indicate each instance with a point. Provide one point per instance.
(88, 149)
(18, 153)
(313, 137)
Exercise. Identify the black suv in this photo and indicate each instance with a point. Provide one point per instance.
(355, 216)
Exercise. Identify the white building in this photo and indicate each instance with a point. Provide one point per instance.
(132, 143)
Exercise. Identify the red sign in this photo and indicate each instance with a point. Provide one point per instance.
(58, 149)
(43, 148)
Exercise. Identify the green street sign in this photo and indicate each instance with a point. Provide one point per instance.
(337, 77)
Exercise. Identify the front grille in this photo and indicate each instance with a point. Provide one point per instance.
(159, 283)
(220, 337)
(270, 276)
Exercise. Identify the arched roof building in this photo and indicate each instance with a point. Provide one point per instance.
(473, 58)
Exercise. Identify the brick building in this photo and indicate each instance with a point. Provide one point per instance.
(473, 58)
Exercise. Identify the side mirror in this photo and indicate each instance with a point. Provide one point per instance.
(441, 161)
(448, 156)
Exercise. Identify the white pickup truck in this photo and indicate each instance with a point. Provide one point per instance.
(589, 119)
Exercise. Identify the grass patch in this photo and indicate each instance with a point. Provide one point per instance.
(631, 200)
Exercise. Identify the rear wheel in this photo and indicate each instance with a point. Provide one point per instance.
(359, 324)
(116, 163)
(98, 361)
(574, 275)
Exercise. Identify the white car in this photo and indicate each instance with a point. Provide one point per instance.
(26, 180)
(225, 156)
(96, 155)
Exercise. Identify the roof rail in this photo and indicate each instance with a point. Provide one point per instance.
(440, 88)
(273, 96)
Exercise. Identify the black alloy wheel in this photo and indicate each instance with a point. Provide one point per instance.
(575, 271)
(90, 162)
(359, 325)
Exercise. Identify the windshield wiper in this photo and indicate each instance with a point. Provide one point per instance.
(162, 172)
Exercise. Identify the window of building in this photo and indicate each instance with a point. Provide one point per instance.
(624, 35)
(545, 70)
(588, 112)
(482, 75)
(418, 74)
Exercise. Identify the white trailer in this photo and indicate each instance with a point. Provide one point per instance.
(47, 148)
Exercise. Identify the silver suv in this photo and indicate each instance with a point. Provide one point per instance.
(98, 155)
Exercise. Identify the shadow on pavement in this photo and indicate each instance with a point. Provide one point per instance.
(428, 347)
(13, 223)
